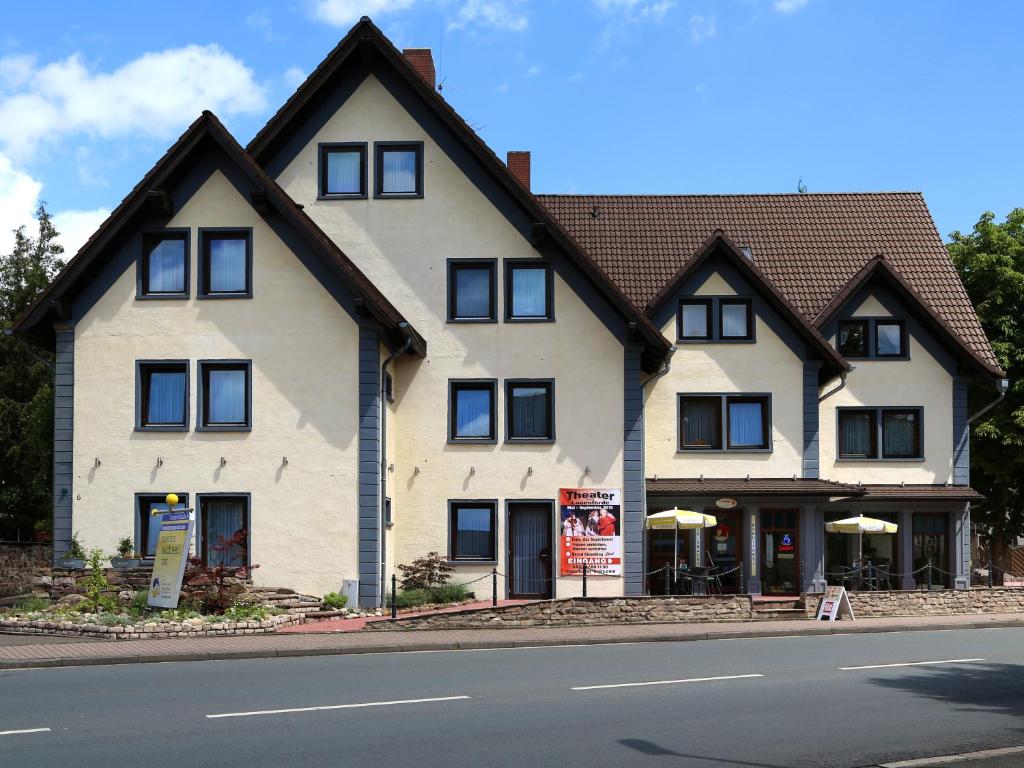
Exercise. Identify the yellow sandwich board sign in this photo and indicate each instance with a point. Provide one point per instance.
(169, 563)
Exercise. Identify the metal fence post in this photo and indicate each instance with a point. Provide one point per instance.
(990, 573)
(584, 579)
(394, 596)
(494, 587)
(871, 577)
(668, 591)
(929, 574)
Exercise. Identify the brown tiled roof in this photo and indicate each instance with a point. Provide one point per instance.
(809, 245)
(770, 486)
(921, 492)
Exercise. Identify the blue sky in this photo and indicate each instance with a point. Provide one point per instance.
(654, 96)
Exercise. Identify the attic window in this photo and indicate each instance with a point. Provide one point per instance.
(163, 267)
(398, 169)
(343, 170)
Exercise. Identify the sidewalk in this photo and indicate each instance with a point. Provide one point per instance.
(281, 645)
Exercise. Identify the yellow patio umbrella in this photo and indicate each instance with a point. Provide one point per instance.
(676, 519)
(861, 525)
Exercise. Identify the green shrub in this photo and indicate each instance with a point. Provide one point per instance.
(75, 550)
(427, 572)
(244, 611)
(32, 604)
(449, 593)
(334, 601)
(411, 598)
(96, 582)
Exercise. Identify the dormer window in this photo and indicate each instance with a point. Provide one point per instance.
(398, 169)
(872, 337)
(715, 319)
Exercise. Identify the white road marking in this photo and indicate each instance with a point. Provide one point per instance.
(910, 664)
(334, 706)
(949, 759)
(662, 682)
(25, 730)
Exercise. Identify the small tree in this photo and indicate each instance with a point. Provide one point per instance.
(96, 583)
(209, 584)
(426, 572)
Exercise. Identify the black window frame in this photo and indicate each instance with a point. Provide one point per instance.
(149, 238)
(142, 370)
(878, 414)
(549, 385)
(490, 385)
(349, 147)
(144, 518)
(709, 319)
(203, 395)
(454, 265)
(766, 415)
(722, 401)
(511, 265)
(202, 539)
(453, 506)
(748, 304)
(379, 148)
(865, 324)
(902, 325)
(206, 234)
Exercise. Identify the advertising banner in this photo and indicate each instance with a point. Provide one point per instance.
(169, 563)
(591, 531)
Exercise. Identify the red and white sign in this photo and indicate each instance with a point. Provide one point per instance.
(591, 531)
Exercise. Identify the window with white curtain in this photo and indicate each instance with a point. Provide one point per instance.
(528, 291)
(226, 394)
(472, 530)
(399, 169)
(471, 290)
(226, 263)
(164, 265)
(162, 396)
(735, 319)
(224, 525)
(887, 433)
(747, 421)
(695, 319)
(857, 434)
(530, 410)
(343, 170)
(901, 434)
(472, 415)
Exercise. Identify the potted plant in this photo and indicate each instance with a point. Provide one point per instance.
(41, 529)
(125, 558)
(73, 558)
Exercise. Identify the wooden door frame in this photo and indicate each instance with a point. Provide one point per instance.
(552, 547)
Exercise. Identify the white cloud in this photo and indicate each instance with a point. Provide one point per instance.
(293, 77)
(702, 27)
(533, 71)
(789, 6)
(498, 14)
(19, 198)
(637, 10)
(345, 13)
(155, 95)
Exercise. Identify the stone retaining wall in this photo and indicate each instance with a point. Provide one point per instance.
(150, 630)
(578, 611)
(946, 602)
(19, 564)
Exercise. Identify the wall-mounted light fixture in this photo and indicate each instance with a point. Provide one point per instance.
(159, 461)
(472, 470)
(284, 461)
(96, 462)
(223, 461)
(529, 471)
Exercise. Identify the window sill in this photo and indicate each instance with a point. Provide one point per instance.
(398, 196)
(472, 320)
(529, 441)
(353, 196)
(472, 441)
(161, 296)
(205, 296)
(691, 451)
(876, 460)
(457, 563)
(161, 428)
(224, 428)
(716, 341)
(530, 319)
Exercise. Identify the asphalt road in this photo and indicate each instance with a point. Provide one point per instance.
(779, 703)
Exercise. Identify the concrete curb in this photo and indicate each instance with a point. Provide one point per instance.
(483, 644)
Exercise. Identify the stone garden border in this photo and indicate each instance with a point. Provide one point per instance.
(150, 630)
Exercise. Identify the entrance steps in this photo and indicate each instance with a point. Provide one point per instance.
(778, 609)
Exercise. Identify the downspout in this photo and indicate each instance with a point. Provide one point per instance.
(665, 368)
(842, 384)
(384, 451)
(1004, 387)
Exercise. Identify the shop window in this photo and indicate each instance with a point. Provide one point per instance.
(473, 531)
(930, 545)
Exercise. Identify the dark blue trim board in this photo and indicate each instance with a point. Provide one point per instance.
(63, 435)
(369, 467)
(811, 413)
(961, 433)
(633, 473)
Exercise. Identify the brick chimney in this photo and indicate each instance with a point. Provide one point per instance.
(423, 62)
(519, 163)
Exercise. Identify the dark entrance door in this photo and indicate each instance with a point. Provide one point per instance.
(529, 550)
(722, 550)
(931, 545)
(780, 552)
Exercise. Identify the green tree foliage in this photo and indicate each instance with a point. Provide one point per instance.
(26, 385)
(991, 263)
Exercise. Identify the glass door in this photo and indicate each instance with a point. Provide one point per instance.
(930, 544)
(722, 550)
(780, 552)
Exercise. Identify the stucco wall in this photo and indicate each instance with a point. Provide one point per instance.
(767, 366)
(303, 348)
(403, 246)
(924, 380)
